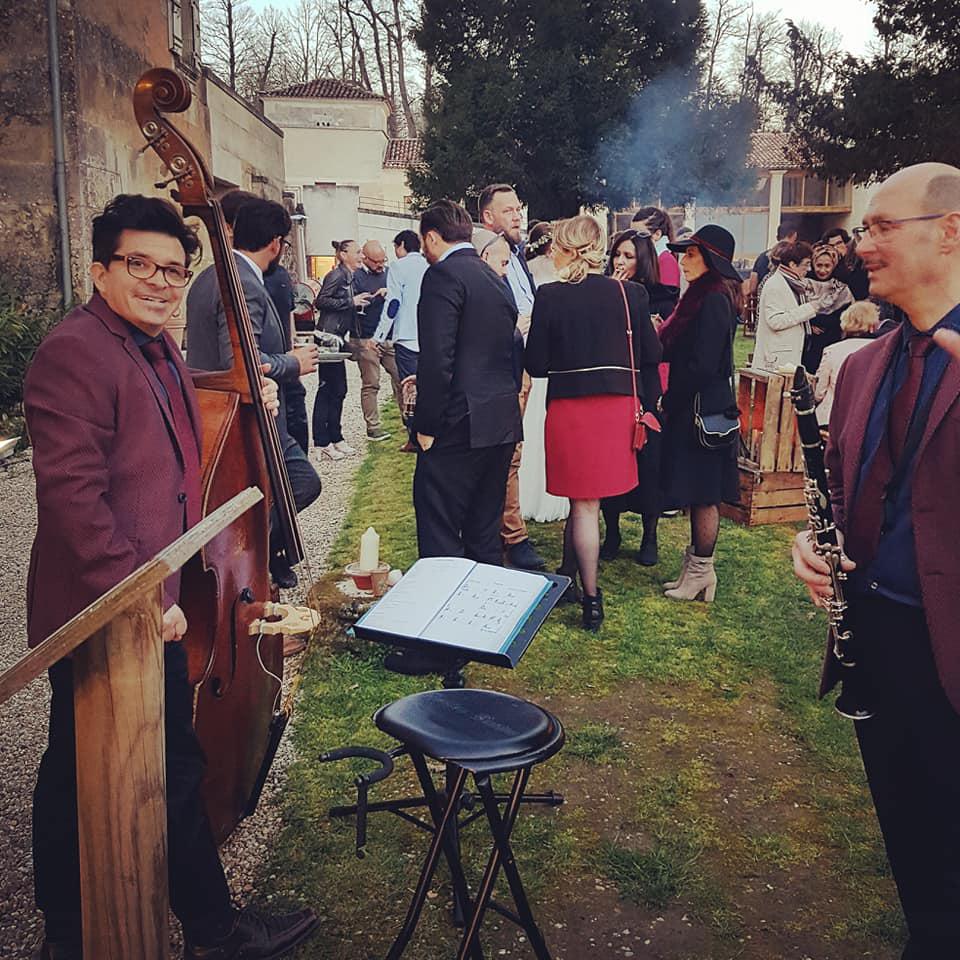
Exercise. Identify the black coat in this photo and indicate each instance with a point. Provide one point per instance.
(337, 311)
(466, 392)
(578, 338)
(701, 363)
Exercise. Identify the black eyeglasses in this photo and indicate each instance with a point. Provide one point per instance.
(883, 229)
(141, 268)
(285, 244)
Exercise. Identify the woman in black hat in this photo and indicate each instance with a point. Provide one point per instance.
(697, 342)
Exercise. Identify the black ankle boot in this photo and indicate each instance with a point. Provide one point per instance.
(611, 544)
(592, 611)
(648, 555)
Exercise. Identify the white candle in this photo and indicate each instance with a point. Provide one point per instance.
(370, 550)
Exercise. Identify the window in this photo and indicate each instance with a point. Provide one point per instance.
(184, 23)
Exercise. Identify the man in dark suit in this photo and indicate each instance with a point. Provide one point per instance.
(467, 417)
(893, 460)
(114, 422)
(258, 236)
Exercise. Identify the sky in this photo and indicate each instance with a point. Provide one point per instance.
(852, 19)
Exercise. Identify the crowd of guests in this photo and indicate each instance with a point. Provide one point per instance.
(556, 377)
(601, 394)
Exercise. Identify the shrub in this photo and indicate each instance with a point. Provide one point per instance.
(22, 327)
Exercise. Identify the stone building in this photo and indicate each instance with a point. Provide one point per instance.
(96, 50)
(346, 162)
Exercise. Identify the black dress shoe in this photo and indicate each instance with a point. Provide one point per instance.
(611, 545)
(523, 555)
(592, 611)
(256, 937)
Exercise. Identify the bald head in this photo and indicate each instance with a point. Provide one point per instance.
(912, 251)
(374, 256)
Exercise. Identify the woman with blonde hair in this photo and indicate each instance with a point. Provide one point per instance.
(859, 323)
(580, 338)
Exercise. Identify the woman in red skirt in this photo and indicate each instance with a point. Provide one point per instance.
(578, 340)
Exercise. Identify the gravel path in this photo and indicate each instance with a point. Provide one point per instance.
(23, 719)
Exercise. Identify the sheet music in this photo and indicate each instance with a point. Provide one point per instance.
(458, 602)
(486, 608)
(409, 606)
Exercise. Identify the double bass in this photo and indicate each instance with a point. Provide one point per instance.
(235, 670)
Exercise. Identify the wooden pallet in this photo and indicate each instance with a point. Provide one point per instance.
(768, 427)
(767, 498)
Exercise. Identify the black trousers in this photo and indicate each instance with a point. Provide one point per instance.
(458, 496)
(199, 894)
(295, 401)
(304, 481)
(911, 753)
(328, 405)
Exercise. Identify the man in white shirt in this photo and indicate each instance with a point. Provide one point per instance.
(398, 322)
(500, 211)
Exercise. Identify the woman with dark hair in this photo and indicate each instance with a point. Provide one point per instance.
(633, 259)
(658, 224)
(337, 305)
(697, 341)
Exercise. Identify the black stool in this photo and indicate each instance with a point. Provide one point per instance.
(483, 733)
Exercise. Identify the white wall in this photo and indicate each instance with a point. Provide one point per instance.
(331, 211)
(384, 227)
(243, 145)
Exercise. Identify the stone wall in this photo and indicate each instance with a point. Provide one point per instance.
(105, 45)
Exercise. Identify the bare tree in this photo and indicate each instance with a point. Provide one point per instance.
(724, 22)
(227, 37)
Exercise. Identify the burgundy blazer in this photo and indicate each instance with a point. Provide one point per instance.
(936, 506)
(109, 472)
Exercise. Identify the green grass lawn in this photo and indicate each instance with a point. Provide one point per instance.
(714, 808)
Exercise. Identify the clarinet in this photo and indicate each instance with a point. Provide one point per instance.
(852, 702)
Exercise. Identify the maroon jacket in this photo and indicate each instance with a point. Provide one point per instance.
(110, 483)
(936, 509)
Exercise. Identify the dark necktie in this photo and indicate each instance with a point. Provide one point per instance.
(901, 410)
(866, 523)
(156, 355)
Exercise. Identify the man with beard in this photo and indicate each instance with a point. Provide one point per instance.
(259, 233)
(499, 209)
(892, 459)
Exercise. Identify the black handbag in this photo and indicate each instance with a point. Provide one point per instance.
(716, 430)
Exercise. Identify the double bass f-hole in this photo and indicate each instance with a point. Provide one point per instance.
(219, 686)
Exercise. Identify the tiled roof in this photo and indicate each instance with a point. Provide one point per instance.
(326, 88)
(403, 152)
(772, 150)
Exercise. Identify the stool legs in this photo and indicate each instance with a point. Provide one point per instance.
(442, 840)
(501, 828)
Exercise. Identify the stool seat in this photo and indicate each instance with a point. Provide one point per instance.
(480, 730)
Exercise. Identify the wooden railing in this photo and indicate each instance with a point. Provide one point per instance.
(117, 654)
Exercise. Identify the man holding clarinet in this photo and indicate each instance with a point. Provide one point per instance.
(893, 462)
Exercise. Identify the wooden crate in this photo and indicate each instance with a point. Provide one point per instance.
(767, 498)
(768, 428)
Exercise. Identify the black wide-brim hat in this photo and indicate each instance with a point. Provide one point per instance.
(717, 246)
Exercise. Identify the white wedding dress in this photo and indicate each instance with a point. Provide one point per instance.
(535, 503)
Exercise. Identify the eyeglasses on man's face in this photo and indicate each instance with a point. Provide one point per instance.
(143, 268)
(880, 230)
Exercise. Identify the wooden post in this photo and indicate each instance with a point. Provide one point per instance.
(121, 785)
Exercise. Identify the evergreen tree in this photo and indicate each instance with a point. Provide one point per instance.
(576, 102)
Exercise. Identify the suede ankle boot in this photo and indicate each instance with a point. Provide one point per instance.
(700, 582)
(673, 584)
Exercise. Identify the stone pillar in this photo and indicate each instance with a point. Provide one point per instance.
(776, 204)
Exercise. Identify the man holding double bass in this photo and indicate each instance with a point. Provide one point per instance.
(893, 459)
(114, 422)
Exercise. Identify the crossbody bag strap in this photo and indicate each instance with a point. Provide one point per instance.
(633, 371)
